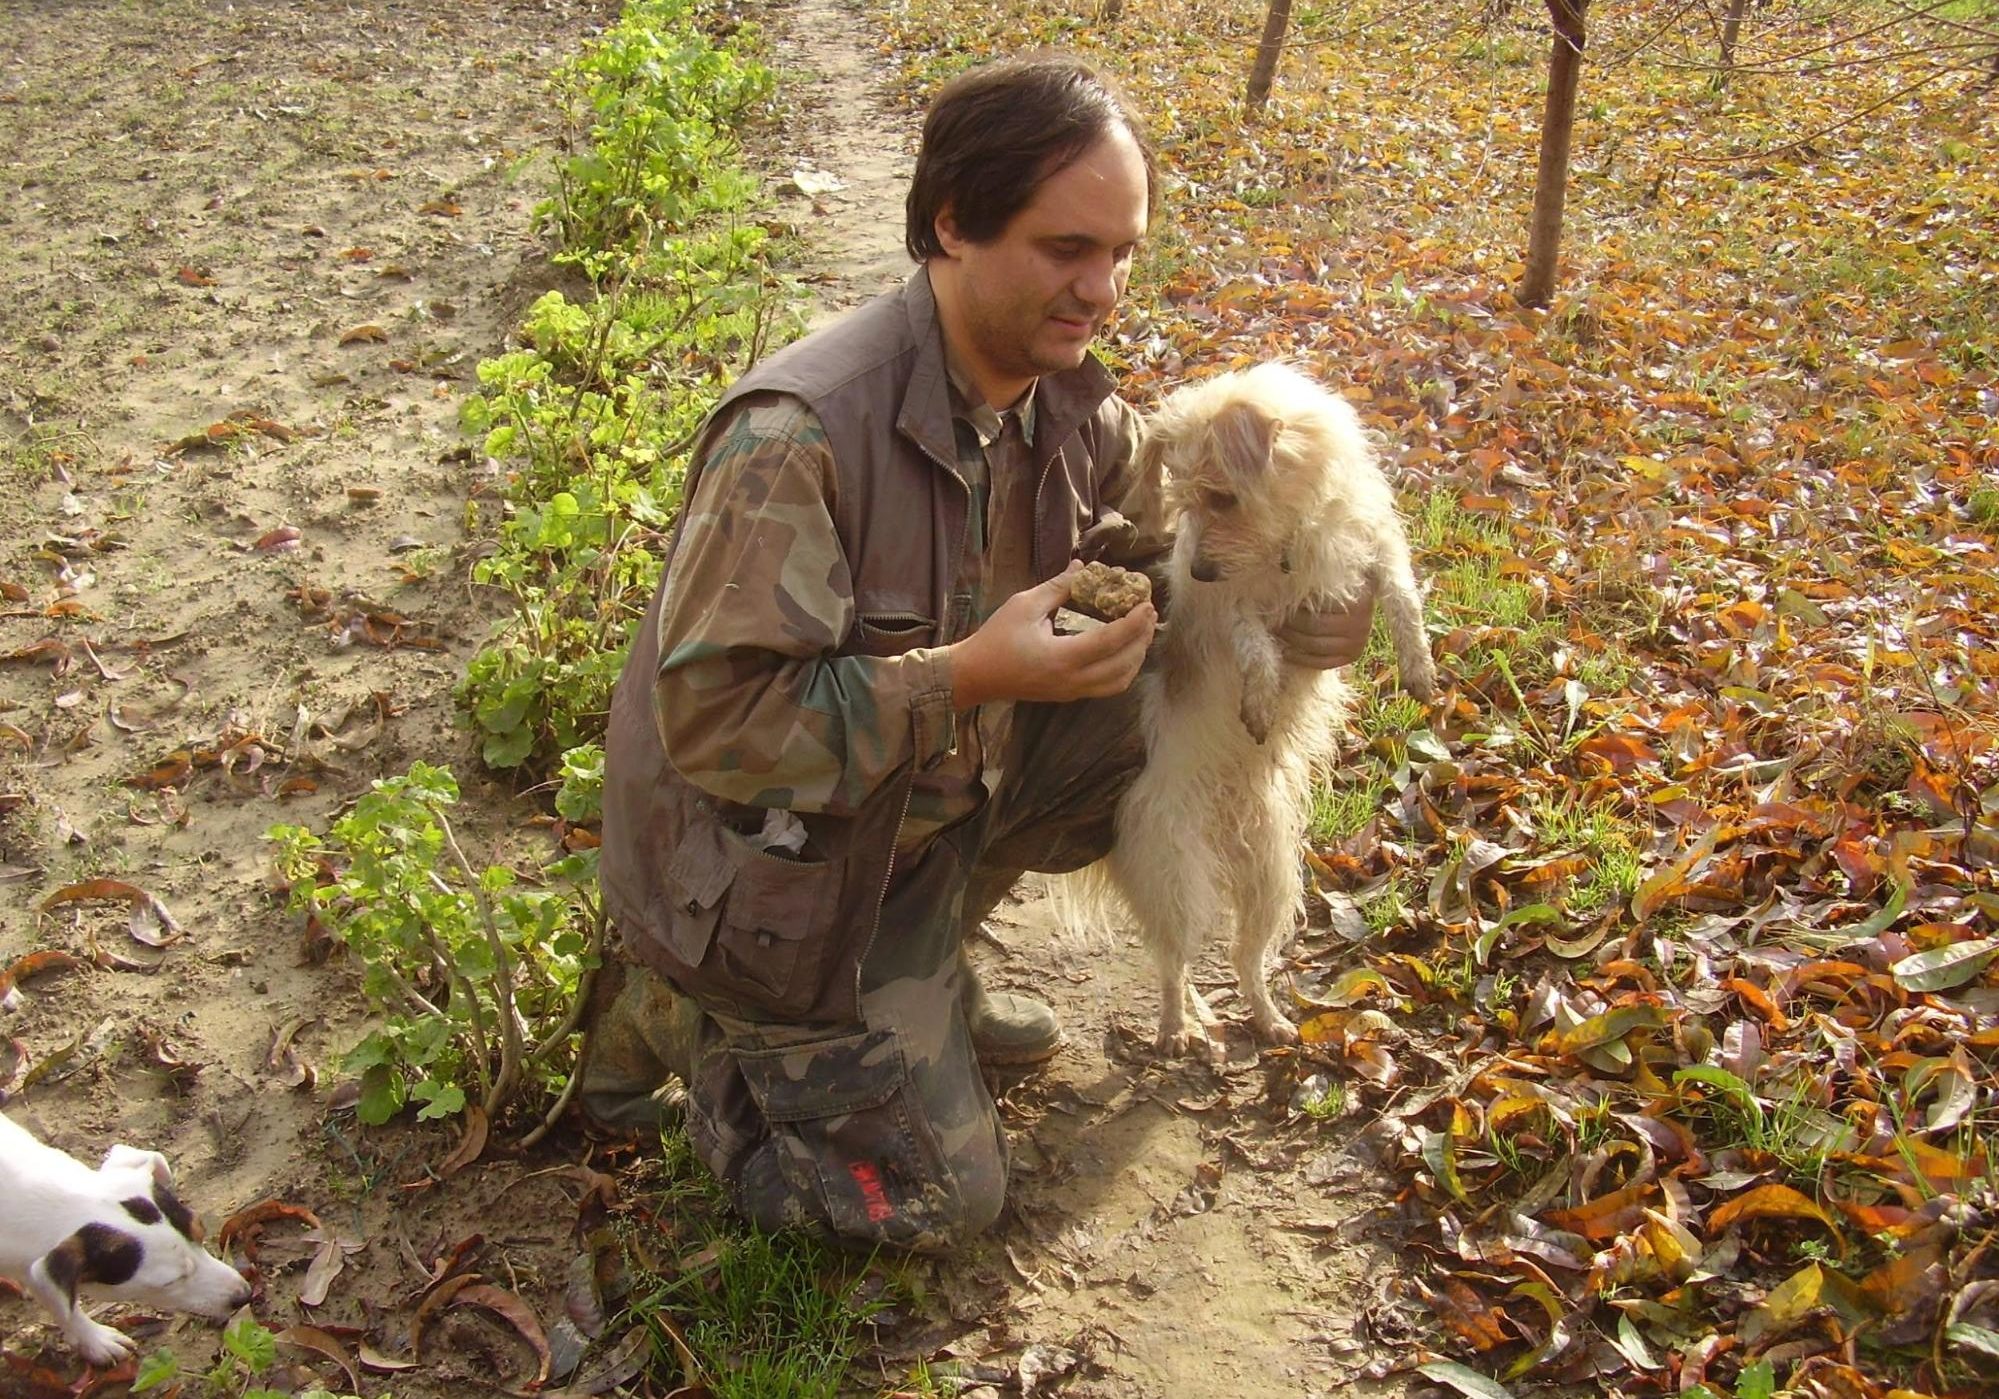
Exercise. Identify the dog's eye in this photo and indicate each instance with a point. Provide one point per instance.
(1218, 500)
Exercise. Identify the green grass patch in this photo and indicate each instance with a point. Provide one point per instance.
(763, 1316)
(1341, 809)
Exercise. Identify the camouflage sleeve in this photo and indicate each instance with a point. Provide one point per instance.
(1130, 483)
(751, 702)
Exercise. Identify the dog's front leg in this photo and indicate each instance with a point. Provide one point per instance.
(1259, 662)
(53, 1279)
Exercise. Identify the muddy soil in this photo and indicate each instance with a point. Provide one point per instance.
(253, 254)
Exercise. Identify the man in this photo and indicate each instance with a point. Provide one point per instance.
(848, 724)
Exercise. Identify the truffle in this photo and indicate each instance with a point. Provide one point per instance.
(1103, 591)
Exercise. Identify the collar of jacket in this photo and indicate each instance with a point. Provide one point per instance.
(1064, 400)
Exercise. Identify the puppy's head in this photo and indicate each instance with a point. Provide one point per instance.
(1248, 458)
(147, 1247)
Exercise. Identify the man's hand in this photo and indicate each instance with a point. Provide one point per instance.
(1325, 638)
(1016, 654)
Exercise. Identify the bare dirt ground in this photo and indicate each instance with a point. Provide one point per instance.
(253, 255)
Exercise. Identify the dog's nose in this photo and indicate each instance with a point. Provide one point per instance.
(1203, 571)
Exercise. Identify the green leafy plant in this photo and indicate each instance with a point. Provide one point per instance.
(654, 105)
(248, 1349)
(478, 975)
(594, 414)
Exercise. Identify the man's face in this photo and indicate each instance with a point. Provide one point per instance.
(1032, 299)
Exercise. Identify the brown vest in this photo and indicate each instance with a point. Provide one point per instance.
(775, 937)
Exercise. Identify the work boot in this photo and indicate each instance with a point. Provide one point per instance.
(638, 1051)
(1007, 1030)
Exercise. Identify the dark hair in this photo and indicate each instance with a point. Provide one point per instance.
(997, 131)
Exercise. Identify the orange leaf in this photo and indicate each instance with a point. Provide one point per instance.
(1607, 1216)
(368, 332)
(1772, 1201)
(249, 1222)
(169, 771)
(1759, 1000)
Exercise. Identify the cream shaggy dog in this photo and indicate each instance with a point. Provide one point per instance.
(1278, 502)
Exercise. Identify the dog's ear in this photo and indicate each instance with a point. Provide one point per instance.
(122, 1157)
(1244, 436)
(95, 1253)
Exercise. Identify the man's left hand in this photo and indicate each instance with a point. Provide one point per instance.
(1327, 636)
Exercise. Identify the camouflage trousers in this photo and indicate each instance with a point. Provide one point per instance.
(883, 1132)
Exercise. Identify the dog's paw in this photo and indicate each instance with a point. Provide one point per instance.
(1258, 716)
(1191, 1042)
(101, 1345)
(1275, 1030)
(1419, 677)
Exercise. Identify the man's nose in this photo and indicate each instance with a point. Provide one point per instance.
(1097, 285)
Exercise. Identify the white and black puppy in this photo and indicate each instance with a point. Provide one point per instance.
(118, 1229)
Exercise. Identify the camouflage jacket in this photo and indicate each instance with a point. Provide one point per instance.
(802, 668)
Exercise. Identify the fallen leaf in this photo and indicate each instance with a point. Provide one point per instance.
(155, 915)
(249, 1223)
(470, 1146)
(34, 964)
(171, 771)
(363, 333)
(1774, 1200)
(312, 1338)
(1942, 968)
(325, 1267)
(372, 1359)
(616, 1366)
(515, 1313)
(1463, 1380)
(436, 1299)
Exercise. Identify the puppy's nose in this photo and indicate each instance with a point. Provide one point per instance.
(1204, 571)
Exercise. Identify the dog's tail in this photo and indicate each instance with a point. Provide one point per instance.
(1396, 593)
(1086, 907)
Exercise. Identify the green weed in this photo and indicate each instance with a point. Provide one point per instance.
(764, 1315)
(594, 415)
(1340, 810)
(1391, 907)
(248, 1350)
(477, 974)
(1608, 841)
(654, 104)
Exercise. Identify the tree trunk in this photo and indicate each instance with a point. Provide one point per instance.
(1268, 50)
(1558, 121)
(1731, 30)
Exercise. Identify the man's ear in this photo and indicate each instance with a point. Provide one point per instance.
(1244, 436)
(948, 236)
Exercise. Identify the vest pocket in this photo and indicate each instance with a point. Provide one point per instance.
(750, 926)
(891, 633)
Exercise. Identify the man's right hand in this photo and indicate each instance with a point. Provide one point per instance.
(1016, 654)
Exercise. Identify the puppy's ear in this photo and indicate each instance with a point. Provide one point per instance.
(122, 1157)
(1244, 436)
(95, 1253)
